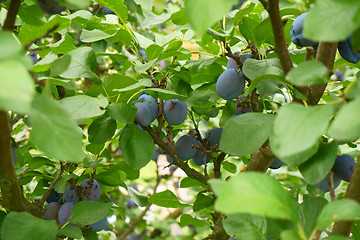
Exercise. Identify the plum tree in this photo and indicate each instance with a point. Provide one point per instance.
(344, 167)
(51, 6)
(175, 111)
(51, 211)
(230, 84)
(184, 147)
(99, 225)
(70, 194)
(95, 190)
(296, 32)
(346, 51)
(64, 213)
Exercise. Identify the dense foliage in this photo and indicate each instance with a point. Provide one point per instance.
(179, 119)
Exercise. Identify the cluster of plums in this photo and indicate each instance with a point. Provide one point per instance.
(55, 211)
(186, 147)
(231, 82)
(175, 110)
(344, 47)
(343, 169)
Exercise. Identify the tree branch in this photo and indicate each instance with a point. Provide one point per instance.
(277, 25)
(261, 159)
(58, 177)
(11, 15)
(170, 149)
(326, 54)
(13, 199)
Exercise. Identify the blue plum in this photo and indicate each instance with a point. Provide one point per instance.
(214, 136)
(230, 84)
(70, 195)
(156, 154)
(143, 114)
(175, 111)
(339, 75)
(107, 10)
(130, 203)
(151, 103)
(54, 196)
(346, 52)
(184, 148)
(200, 158)
(95, 190)
(51, 211)
(323, 185)
(14, 154)
(231, 64)
(277, 163)
(344, 167)
(64, 213)
(33, 55)
(245, 56)
(51, 6)
(169, 159)
(296, 32)
(98, 226)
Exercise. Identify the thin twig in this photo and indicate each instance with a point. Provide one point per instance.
(11, 15)
(27, 46)
(58, 177)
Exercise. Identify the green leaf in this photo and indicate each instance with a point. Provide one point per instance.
(53, 130)
(45, 63)
(191, 182)
(228, 166)
(122, 112)
(101, 130)
(137, 146)
(30, 32)
(24, 226)
(253, 68)
(308, 73)
(165, 199)
(245, 226)
(82, 106)
(117, 6)
(297, 129)
(93, 35)
(17, 86)
(319, 165)
(78, 63)
(71, 231)
(247, 28)
(210, 12)
(10, 47)
(31, 14)
(186, 219)
(321, 25)
(153, 51)
(202, 201)
(257, 194)
(140, 199)
(309, 211)
(89, 212)
(111, 177)
(339, 210)
(235, 138)
(345, 126)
